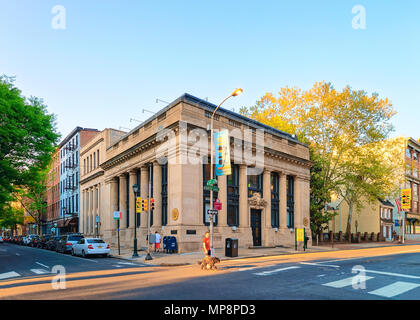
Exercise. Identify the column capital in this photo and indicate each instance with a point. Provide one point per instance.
(111, 180)
(132, 172)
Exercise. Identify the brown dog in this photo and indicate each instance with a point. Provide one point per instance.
(209, 263)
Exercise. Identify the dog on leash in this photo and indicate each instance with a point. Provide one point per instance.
(209, 263)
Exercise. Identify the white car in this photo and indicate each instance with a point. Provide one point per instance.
(90, 246)
(27, 239)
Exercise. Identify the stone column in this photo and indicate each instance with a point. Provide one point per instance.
(283, 200)
(243, 197)
(123, 199)
(298, 203)
(267, 196)
(90, 210)
(222, 183)
(144, 183)
(95, 190)
(113, 200)
(132, 201)
(157, 194)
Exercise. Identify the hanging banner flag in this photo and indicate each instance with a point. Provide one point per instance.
(222, 147)
(405, 199)
(138, 204)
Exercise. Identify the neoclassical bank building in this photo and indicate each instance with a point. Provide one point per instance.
(264, 199)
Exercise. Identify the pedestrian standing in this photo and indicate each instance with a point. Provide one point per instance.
(157, 241)
(206, 244)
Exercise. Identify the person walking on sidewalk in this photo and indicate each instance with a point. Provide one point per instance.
(206, 244)
(157, 241)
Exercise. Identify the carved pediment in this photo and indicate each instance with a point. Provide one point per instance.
(257, 201)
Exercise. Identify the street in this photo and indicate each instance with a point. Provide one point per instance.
(389, 273)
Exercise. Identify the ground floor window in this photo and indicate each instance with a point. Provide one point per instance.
(290, 202)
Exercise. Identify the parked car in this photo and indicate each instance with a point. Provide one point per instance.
(1, 239)
(52, 243)
(34, 241)
(28, 239)
(20, 240)
(42, 243)
(90, 246)
(66, 242)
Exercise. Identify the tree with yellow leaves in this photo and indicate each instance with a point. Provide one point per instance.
(343, 129)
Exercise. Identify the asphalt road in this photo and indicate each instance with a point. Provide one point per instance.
(392, 276)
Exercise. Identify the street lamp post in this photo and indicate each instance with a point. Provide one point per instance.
(233, 94)
(136, 191)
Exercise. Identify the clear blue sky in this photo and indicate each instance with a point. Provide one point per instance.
(116, 57)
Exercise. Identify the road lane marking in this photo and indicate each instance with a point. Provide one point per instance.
(245, 269)
(39, 271)
(18, 254)
(3, 250)
(395, 289)
(345, 282)
(43, 265)
(320, 265)
(393, 274)
(266, 273)
(128, 263)
(10, 274)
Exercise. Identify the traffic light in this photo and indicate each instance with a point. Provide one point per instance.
(144, 205)
(152, 204)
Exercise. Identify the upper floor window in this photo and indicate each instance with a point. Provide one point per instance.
(408, 153)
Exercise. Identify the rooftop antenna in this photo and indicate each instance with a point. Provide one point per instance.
(125, 128)
(131, 119)
(157, 101)
(148, 111)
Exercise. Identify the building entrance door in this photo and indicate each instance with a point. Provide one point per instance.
(256, 226)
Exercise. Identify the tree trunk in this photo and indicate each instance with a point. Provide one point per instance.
(348, 228)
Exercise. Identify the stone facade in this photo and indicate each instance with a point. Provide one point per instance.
(167, 149)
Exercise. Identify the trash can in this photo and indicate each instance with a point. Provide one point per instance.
(231, 248)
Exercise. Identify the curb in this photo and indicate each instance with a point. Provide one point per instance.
(166, 264)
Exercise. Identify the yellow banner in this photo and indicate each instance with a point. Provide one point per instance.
(138, 204)
(300, 234)
(405, 199)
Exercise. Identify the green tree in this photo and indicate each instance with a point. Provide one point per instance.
(11, 217)
(27, 140)
(334, 124)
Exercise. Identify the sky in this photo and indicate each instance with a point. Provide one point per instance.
(115, 58)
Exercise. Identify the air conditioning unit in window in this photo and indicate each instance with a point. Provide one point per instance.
(276, 229)
(234, 228)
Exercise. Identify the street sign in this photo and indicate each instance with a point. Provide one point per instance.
(213, 212)
(211, 182)
(117, 215)
(209, 188)
(138, 204)
(217, 205)
(405, 199)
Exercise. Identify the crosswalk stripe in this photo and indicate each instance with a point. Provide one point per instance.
(39, 271)
(266, 273)
(10, 274)
(345, 282)
(395, 289)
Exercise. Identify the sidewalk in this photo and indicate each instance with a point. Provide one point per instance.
(178, 259)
